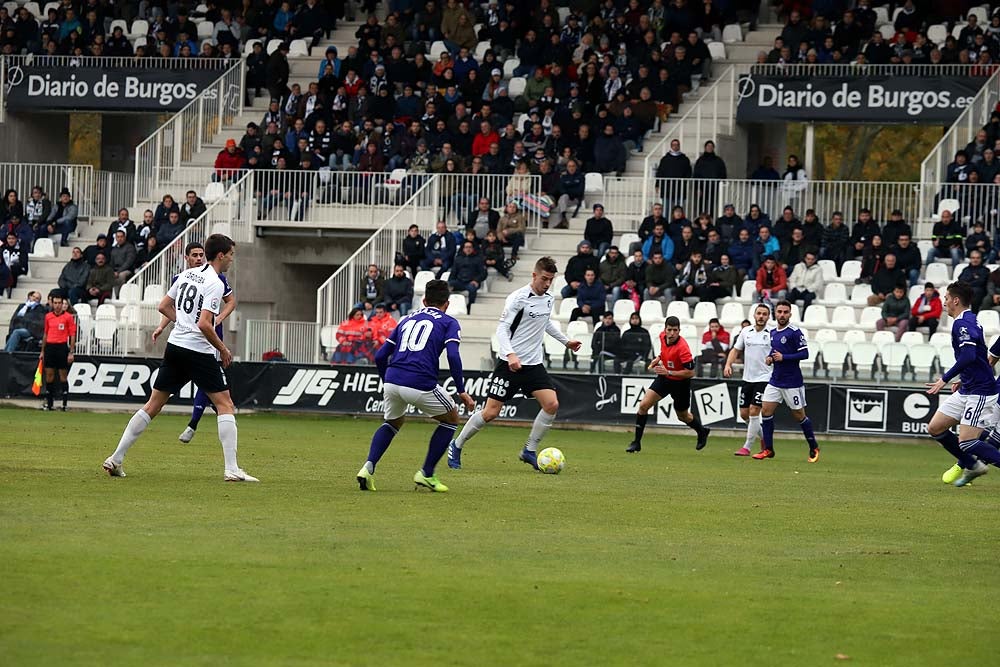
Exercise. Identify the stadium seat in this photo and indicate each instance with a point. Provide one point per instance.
(420, 282)
(273, 45)
(445, 276)
(437, 48)
(481, 49)
(816, 316)
(881, 15)
(555, 351)
(593, 184)
(205, 30)
(945, 205)
(732, 314)
(139, 41)
(128, 293)
(834, 294)
(509, 66)
(937, 274)
(117, 23)
(980, 13)
(829, 268)
(106, 312)
(894, 359)
(912, 339)
(989, 320)
(104, 335)
(566, 307)
(869, 316)
(678, 309)
(850, 271)
(843, 317)
(922, 361)
(825, 335)
(703, 312)
(328, 339)
(153, 293)
(394, 183)
(690, 333)
(298, 48)
(586, 351)
(655, 329)
(732, 33)
(946, 357)
(457, 305)
(563, 13)
(623, 310)
(888, 31)
(924, 247)
(940, 340)
(958, 270)
(558, 284)
(652, 311)
(860, 294)
(577, 329)
(852, 336)
(248, 47)
(796, 317)
(625, 241)
(213, 192)
(834, 357)
(746, 291)
(516, 86)
(863, 357)
(717, 50)
(937, 33)
(882, 338)
(140, 27)
(43, 248)
(915, 292)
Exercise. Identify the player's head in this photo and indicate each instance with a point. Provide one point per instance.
(220, 250)
(761, 314)
(672, 329)
(543, 274)
(957, 297)
(782, 312)
(194, 253)
(58, 304)
(436, 295)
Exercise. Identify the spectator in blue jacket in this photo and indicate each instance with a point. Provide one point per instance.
(741, 253)
(590, 298)
(766, 245)
(439, 253)
(571, 185)
(658, 240)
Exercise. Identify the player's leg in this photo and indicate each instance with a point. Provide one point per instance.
(435, 403)
(979, 411)
(681, 393)
(948, 415)
(50, 386)
(228, 434)
(805, 424)
(548, 403)
(648, 402)
(64, 387)
(770, 401)
(136, 425)
(394, 416)
(201, 402)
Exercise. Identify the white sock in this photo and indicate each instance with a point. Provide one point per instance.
(227, 436)
(753, 431)
(473, 425)
(538, 429)
(136, 425)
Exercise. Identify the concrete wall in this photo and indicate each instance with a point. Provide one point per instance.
(35, 138)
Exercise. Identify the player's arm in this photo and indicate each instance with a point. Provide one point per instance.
(384, 354)
(685, 373)
(733, 357)
(45, 335)
(552, 330)
(228, 306)
(966, 356)
(168, 309)
(511, 308)
(457, 375)
(71, 341)
(206, 322)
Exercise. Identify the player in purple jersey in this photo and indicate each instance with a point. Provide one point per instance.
(788, 348)
(973, 402)
(408, 366)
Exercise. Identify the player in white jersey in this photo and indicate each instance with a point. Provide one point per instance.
(754, 342)
(193, 302)
(521, 367)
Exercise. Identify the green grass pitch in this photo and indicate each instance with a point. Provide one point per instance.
(669, 557)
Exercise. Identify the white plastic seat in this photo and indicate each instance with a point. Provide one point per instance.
(732, 33)
(938, 274)
(104, 334)
(853, 336)
(843, 317)
(922, 360)
(869, 316)
(205, 30)
(939, 340)
(555, 350)
(43, 248)
(481, 49)
(516, 86)
(420, 282)
(796, 316)
(850, 271)
(690, 333)
(826, 335)
(894, 358)
(732, 314)
(888, 31)
(863, 356)
(557, 284)
(946, 357)
(915, 293)
(626, 240)
(128, 293)
(509, 66)
(565, 310)
(622, 310)
(678, 309)
(437, 48)
(593, 183)
(717, 50)
(989, 320)
(651, 311)
(834, 294)
(586, 351)
(272, 46)
(117, 23)
(829, 268)
(106, 312)
(834, 356)
(951, 205)
(298, 48)
(577, 329)
(213, 192)
(937, 33)
(394, 182)
(703, 312)
(457, 305)
(816, 316)
(860, 294)
(980, 13)
(746, 292)
(655, 329)
(912, 339)
(140, 27)
(882, 338)
(83, 311)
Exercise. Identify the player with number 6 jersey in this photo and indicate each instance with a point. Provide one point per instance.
(192, 303)
(525, 320)
(408, 366)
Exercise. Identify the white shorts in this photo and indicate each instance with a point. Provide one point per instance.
(970, 409)
(794, 397)
(399, 398)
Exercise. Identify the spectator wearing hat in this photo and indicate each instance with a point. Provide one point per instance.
(599, 232)
(577, 267)
(229, 163)
(62, 220)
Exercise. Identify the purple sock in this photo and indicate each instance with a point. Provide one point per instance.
(949, 441)
(981, 450)
(807, 430)
(381, 440)
(767, 431)
(438, 445)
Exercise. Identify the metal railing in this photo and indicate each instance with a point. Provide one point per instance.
(342, 289)
(854, 69)
(52, 178)
(188, 131)
(123, 62)
(459, 194)
(112, 190)
(934, 168)
(712, 115)
(295, 340)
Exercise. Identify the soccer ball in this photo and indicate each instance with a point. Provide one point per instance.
(551, 461)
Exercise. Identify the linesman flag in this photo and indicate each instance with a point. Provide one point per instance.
(36, 386)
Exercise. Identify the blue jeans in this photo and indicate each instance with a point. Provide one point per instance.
(601, 249)
(65, 229)
(465, 287)
(16, 336)
(524, 70)
(914, 276)
(935, 253)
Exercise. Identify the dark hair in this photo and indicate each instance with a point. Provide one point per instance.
(714, 320)
(217, 243)
(350, 315)
(194, 245)
(672, 321)
(546, 265)
(436, 293)
(961, 291)
(783, 302)
(763, 305)
(931, 285)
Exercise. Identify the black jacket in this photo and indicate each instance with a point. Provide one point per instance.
(33, 320)
(397, 290)
(493, 218)
(885, 280)
(709, 166)
(598, 231)
(674, 166)
(578, 265)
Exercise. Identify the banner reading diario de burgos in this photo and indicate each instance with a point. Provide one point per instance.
(40, 88)
(935, 100)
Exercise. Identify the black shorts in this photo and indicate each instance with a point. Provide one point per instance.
(752, 393)
(679, 390)
(181, 365)
(56, 356)
(505, 383)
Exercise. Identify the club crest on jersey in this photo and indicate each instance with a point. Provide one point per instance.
(215, 304)
(784, 339)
